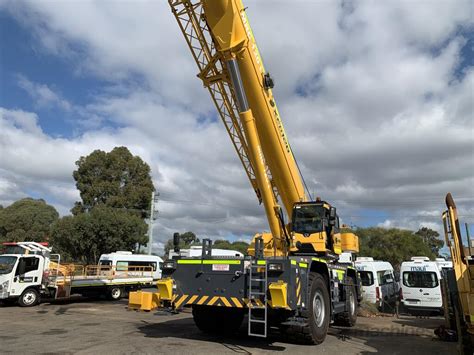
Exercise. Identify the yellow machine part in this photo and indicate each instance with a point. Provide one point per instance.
(143, 301)
(279, 294)
(268, 241)
(349, 242)
(165, 288)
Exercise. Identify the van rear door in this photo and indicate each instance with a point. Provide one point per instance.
(421, 288)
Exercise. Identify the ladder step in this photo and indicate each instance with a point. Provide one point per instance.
(257, 320)
(258, 335)
(258, 280)
(257, 293)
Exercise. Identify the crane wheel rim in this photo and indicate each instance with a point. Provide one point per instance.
(319, 310)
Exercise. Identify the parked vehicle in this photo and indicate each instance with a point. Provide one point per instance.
(378, 281)
(123, 260)
(31, 272)
(196, 251)
(443, 263)
(421, 286)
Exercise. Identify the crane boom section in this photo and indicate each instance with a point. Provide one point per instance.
(240, 123)
(233, 37)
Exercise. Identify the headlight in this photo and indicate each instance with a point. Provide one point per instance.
(275, 267)
(169, 265)
(4, 286)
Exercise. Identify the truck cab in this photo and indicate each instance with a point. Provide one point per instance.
(21, 278)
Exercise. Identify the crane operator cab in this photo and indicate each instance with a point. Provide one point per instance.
(315, 229)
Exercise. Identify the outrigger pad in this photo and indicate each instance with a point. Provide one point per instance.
(143, 301)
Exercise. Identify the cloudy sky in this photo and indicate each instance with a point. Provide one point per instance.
(376, 97)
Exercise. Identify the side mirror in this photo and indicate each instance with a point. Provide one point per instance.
(176, 240)
(332, 213)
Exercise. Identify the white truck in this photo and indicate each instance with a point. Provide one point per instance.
(421, 286)
(378, 281)
(30, 271)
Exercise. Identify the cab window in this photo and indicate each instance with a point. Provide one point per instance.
(366, 278)
(26, 265)
(385, 277)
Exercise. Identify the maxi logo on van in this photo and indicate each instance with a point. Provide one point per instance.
(418, 268)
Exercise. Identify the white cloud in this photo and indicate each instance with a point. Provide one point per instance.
(367, 92)
(42, 94)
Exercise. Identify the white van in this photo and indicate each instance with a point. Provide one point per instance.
(123, 260)
(196, 251)
(377, 279)
(442, 263)
(421, 289)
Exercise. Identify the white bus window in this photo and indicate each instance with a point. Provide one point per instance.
(122, 265)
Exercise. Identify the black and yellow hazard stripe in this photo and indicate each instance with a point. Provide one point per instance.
(183, 300)
(298, 289)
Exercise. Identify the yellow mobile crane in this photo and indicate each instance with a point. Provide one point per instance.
(460, 280)
(291, 279)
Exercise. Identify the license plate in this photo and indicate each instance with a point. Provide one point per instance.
(220, 267)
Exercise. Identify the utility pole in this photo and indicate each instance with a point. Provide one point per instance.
(153, 216)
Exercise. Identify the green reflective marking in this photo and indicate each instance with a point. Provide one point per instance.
(293, 262)
(303, 265)
(261, 262)
(232, 262)
(189, 261)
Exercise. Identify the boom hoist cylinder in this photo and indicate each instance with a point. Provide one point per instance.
(256, 155)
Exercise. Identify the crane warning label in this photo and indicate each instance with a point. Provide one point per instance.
(220, 267)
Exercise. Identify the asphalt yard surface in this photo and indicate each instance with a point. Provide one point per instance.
(101, 327)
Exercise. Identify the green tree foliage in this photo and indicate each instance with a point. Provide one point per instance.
(393, 245)
(189, 238)
(238, 245)
(84, 237)
(431, 239)
(116, 179)
(27, 220)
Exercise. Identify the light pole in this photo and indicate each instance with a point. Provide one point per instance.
(153, 216)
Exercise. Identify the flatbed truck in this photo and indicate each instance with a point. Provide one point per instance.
(33, 273)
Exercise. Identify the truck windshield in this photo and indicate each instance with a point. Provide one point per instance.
(6, 264)
(308, 218)
(420, 279)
